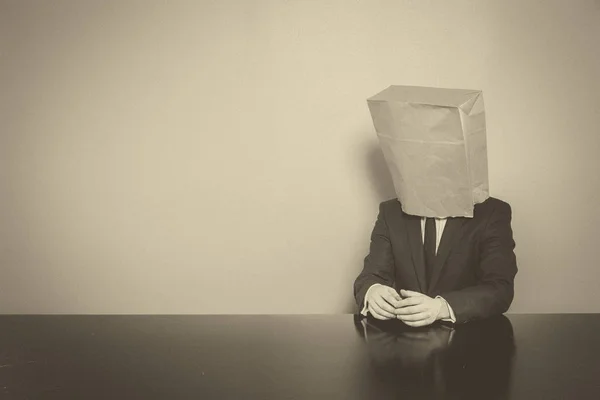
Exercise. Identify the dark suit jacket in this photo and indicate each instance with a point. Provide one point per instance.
(475, 265)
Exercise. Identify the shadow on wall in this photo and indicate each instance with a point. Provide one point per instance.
(380, 182)
(379, 174)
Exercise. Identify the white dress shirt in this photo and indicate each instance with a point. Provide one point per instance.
(440, 223)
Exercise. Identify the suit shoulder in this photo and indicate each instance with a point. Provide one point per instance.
(390, 202)
(390, 205)
(492, 204)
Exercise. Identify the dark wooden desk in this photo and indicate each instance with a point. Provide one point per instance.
(297, 357)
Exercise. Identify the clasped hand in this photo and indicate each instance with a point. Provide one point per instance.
(413, 308)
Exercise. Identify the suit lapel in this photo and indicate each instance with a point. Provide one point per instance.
(413, 231)
(452, 233)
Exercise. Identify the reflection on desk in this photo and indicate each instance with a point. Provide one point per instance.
(467, 361)
(274, 357)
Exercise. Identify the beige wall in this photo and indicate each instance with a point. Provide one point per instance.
(219, 157)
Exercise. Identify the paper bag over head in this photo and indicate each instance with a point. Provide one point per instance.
(434, 143)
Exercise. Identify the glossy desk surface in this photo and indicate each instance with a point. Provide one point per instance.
(297, 357)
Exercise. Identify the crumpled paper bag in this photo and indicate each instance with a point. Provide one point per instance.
(434, 143)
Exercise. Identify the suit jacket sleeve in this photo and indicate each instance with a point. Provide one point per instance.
(378, 264)
(494, 290)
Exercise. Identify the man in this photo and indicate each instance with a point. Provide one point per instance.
(472, 275)
(443, 250)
